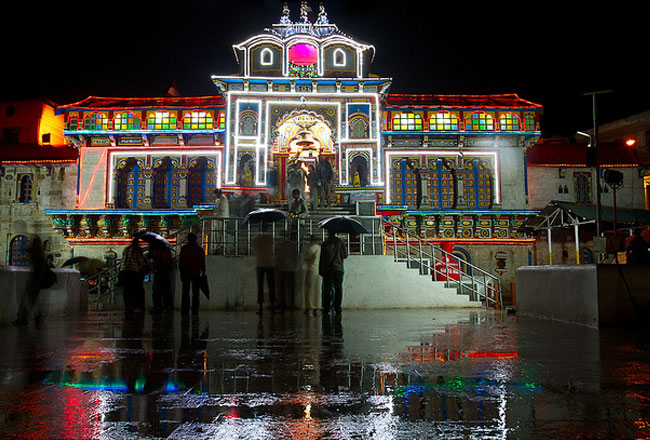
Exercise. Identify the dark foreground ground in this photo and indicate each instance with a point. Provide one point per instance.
(392, 374)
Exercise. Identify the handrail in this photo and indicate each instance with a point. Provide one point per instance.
(227, 236)
(485, 286)
(103, 283)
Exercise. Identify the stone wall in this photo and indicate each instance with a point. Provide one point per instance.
(54, 187)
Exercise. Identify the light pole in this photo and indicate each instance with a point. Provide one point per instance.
(594, 145)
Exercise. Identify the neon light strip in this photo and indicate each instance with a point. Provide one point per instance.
(172, 153)
(101, 161)
(481, 241)
(425, 153)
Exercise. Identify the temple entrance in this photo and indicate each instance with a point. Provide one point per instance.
(302, 139)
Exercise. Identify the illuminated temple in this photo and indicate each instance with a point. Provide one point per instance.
(454, 166)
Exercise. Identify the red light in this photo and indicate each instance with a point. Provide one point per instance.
(630, 142)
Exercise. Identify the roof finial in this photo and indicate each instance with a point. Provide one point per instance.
(304, 10)
(322, 15)
(284, 18)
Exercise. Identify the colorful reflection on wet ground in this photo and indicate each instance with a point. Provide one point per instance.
(391, 374)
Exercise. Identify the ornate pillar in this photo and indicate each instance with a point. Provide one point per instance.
(147, 200)
(183, 175)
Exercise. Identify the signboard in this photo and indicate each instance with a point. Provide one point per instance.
(130, 140)
(100, 141)
(164, 139)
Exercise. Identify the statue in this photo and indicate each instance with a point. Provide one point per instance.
(284, 18)
(322, 15)
(304, 9)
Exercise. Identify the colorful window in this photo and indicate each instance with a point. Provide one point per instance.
(161, 121)
(126, 121)
(444, 121)
(198, 120)
(73, 123)
(531, 123)
(407, 122)
(509, 122)
(221, 120)
(479, 121)
(96, 121)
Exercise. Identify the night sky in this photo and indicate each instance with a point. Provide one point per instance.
(66, 52)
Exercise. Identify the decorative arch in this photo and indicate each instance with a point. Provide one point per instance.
(130, 183)
(202, 179)
(407, 121)
(359, 126)
(290, 124)
(360, 169)
(95, 121)
(248, 123)
(162, 120)
(444, 120)
(198, 120)
(479, 121)
(25, 189)
(509, 122)
(166, 182)
(126, 121)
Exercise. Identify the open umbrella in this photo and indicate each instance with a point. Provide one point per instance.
(343, 223)
(153, 239)
(266, 215)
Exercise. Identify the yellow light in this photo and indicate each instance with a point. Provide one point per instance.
(630, 142)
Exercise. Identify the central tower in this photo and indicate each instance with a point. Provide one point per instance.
(303, 92)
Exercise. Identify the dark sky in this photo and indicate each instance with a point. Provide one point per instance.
(66, 51)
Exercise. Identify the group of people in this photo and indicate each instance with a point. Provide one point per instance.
(135, 266)
(324, 260)
(318, 179)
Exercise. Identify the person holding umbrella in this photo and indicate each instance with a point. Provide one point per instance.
(134, 268)
(330, 267)
(191, 264)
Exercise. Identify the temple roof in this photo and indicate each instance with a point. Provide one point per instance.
(506, 100)
(97, 102)
(575, 155)
(34, 153)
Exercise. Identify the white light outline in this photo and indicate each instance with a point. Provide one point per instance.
(266, 50)
(426, 152)
(347, 163)
(345, 57)
(216, 154)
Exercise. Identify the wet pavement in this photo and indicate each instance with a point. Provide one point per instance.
(391, 374)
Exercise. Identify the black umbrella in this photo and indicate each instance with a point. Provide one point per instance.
(73, 261)
(266, 215)
(342, 223)
(153, 239)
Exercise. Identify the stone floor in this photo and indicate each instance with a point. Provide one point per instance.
(390, 374)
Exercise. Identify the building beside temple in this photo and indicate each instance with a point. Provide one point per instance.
(448, 168)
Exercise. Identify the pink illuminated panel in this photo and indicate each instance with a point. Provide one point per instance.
(303, 54)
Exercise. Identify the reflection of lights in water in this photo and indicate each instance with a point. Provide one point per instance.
(308, 411)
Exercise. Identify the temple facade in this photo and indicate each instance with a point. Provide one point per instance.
(448, 168)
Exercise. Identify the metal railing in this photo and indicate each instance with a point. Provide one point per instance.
(229, 237)
(103, 284)
(442, 265)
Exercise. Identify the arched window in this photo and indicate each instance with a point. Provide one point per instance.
(359, 171)
(161, 120)
(18, 255)
(25, 189)
(95, 121)
(531, 123)
(73, 123)
(479, 121)
(444, 121)
(339, 57)
(509, 122)
(266, 57)
(126, 121)
(221, 120)
(407, 122)
(248, 124)
(198, 120)
(358, 127)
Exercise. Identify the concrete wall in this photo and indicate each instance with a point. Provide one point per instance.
(594, 295)
(543, 183)
(65, 297)
(369, 282)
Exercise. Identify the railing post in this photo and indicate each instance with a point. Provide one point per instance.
(394, 244)
(420, 252)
